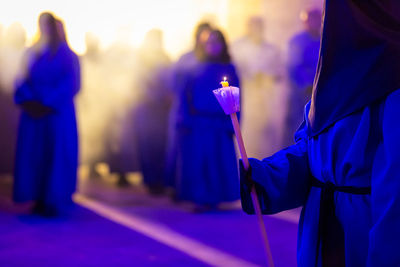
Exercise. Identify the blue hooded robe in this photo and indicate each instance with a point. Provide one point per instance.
(344, 168)
(47, 147)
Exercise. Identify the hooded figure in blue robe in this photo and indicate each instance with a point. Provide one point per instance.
(47, 146)
(206, 160)
(344, 169)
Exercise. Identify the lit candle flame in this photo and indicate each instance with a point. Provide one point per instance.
(224, 83)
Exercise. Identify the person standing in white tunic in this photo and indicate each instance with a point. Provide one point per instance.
(260, 69)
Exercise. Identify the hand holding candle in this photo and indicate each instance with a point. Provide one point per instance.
(229, 99)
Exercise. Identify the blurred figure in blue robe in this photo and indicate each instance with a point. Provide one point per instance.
(302, 66)
(193, 57)
(185, 62)
(206, 162)
(345, 166)
(47, 147)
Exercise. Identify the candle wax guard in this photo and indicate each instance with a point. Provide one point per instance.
(228, 98)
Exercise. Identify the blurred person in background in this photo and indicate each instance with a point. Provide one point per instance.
(47, 147)
(185, 62)
(206, 161)
(121, 75)
(91, 111)
(260, 69)
(302, 66)
(148, 124)
(192, 57)
(12, 48)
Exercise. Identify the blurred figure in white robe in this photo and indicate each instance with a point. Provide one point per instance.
(12, 49)
(260, 69)
(91, 103)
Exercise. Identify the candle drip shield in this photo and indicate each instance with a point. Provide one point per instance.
(228, 98)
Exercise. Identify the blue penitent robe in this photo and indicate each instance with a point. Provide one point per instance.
(358, 151)
(344, 169)
(47, 147)
(206, 159)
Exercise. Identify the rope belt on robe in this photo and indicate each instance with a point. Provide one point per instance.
(330, 232)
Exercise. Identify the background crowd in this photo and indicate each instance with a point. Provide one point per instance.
(138, 110)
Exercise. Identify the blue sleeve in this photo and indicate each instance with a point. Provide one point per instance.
(23, 92)
(385, 190)
(67, 85)
(282, 181)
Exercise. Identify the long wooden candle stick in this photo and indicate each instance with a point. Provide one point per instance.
(229, 99)
(253, 193)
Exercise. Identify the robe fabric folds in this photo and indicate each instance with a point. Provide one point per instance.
(360, 151)
(47, 147)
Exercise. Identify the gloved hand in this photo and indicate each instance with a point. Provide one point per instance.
(246, 184)
(245, 176)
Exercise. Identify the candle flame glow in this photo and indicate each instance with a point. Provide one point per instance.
(224, 83)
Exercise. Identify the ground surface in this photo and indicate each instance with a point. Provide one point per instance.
(110, 226)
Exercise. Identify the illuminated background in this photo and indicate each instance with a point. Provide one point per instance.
(110, 88)
(125, 22)
(128, 21)
(121, 20)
